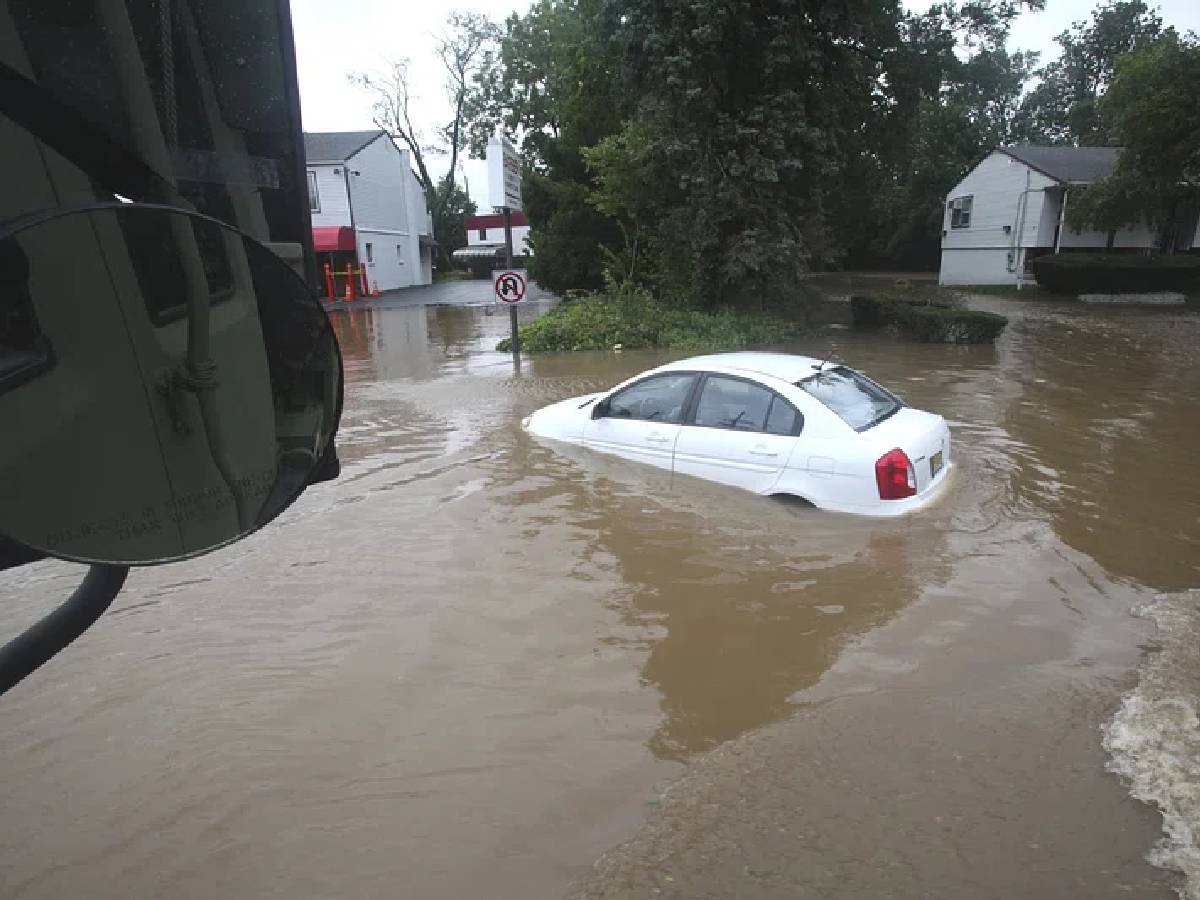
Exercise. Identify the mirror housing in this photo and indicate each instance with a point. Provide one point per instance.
(600, 409)
(172, 389)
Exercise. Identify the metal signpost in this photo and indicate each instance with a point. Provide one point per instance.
(504, 193)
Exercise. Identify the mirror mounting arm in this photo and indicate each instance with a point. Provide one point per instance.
(25, 653)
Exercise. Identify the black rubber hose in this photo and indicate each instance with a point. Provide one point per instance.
(25, 653)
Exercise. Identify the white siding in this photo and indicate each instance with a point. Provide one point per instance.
(1006, 192)
(331, 193)
(389, 213)
(378, 188)
(386, 271)
(997, 186)
(984, 265)
(1135, 236)
(495, 236)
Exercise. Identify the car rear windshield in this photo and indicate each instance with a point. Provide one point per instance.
(857, 400)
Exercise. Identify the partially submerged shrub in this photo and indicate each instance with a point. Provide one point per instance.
(931, 322)
(1116, 273)
(631, 319)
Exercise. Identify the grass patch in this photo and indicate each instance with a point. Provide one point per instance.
(630, 319)
(442, 276)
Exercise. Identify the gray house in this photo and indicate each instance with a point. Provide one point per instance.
(1011, 209)
(368, 208)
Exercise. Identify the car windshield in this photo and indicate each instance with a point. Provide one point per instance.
(857, 400)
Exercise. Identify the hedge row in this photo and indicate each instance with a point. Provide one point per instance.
(926, 321)
(633, 320)
(1115, 273)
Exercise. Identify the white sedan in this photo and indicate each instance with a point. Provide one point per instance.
(772, 423)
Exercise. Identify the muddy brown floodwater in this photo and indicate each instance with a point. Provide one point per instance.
(474, 664)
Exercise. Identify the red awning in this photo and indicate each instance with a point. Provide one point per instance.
(494, 221)
(328, 238)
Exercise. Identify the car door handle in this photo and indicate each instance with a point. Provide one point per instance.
(763, 453)
(658, 438)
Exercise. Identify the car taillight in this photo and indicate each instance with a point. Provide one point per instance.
(895, 475)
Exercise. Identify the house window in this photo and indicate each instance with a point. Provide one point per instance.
(399, 254)
(960, 212)
(483, 234)
(370, 254)
(314, 201)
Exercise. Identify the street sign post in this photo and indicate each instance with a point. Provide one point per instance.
(504, 193)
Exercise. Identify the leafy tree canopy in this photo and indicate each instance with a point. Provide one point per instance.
(1152, 111)
(714, 150)
(1064, 106)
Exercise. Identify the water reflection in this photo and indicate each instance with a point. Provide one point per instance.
(742, 620)
(737, 601)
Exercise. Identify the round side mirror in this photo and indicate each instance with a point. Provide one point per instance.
(167, 384)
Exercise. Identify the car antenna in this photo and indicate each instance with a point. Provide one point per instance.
(820, 367)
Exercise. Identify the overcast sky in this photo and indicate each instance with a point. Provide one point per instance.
(337, 37)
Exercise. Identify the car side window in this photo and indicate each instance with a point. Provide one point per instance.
(783, 418)
(660, 398)
(733, 403)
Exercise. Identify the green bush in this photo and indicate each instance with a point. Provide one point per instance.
(632, 319)
(1116, 273)
(935, 322)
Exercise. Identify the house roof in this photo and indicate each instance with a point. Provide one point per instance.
(1071, 165)
(335, 146)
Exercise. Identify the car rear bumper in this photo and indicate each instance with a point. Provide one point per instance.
(888, 509)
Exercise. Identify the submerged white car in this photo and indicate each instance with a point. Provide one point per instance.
(772, 423)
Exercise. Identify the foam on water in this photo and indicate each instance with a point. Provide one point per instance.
(1154, 737)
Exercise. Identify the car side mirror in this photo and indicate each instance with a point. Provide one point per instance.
(601, 409)
(167, 384)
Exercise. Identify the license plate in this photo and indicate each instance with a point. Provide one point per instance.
(935, 464)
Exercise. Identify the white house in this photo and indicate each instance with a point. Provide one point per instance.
(368, 208)
(485, 237)
(1010, 209)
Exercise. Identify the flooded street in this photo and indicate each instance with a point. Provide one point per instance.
(472, 665)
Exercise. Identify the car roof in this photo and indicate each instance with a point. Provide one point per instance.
(789, 367)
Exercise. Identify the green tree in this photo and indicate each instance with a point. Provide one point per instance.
(1064, 107)
(556, 89)
(742, 109)
(714, 149)
(1152, 110)
(468, 55)
(948, 93)
(450, 207)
